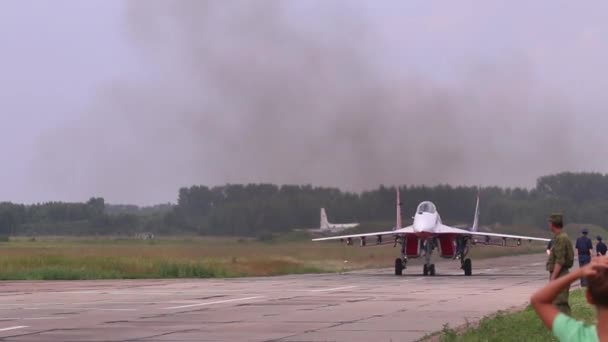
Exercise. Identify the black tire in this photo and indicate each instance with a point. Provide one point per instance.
(432, 269)
(425, 270)
(468, 267)
(398, 267)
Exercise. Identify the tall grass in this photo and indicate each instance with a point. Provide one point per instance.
(519, 326)
(61, 267)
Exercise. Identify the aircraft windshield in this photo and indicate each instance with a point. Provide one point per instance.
(426, 207)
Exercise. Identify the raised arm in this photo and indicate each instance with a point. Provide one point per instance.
(542, 300)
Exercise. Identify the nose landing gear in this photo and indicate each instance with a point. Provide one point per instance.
(428, 269)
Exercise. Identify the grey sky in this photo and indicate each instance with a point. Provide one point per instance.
(131, 100)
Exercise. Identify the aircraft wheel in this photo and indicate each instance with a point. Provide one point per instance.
(468, 268)
(425, 270)
(398, 267)
(432, 269)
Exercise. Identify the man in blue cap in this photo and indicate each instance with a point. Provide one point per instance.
(584, 247)
(600, 248)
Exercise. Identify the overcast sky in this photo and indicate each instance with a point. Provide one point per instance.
(131, 100)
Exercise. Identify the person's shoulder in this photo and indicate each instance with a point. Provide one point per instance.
(566, 328)
(561, 237)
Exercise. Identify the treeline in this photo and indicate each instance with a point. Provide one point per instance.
(54, 218)
(118, 209)
(250, 209)
(256, 209)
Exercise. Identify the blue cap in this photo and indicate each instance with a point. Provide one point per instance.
(585, 231)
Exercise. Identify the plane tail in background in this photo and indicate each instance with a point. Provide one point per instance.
(476, 217)
(324, 222)
(398, 221)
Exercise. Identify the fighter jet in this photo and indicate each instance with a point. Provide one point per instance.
(428, 233)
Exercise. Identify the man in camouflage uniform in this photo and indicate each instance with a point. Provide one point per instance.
(560, 259)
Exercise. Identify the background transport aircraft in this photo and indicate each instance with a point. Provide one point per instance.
(327, 227)
(428, 233)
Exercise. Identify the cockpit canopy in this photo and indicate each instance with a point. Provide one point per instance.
(426, 207)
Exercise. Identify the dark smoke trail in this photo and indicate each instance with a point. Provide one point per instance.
(244, 91)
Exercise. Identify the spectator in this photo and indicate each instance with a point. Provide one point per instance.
(560, 260)
(600, 248)
(584, 247)
(566, 328)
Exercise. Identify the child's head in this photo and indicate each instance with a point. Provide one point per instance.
(597, 289)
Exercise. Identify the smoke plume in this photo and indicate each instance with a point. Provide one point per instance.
(300, 92)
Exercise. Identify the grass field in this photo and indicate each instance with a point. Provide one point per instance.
(196, 257)
(519, 326)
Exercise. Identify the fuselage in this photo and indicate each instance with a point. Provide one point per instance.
(341, 225)
(334, 228)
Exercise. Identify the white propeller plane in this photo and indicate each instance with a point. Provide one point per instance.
(428, 232)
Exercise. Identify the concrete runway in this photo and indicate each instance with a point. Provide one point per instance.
(357, 306)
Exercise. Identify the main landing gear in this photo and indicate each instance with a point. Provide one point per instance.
(467, 267)
(399, 267)
(400, 263)
(429, 269)
(462, 248)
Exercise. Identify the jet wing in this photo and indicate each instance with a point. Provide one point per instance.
(511, 236)
(451, 230)
(406, 230)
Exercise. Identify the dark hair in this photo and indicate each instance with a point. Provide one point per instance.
(598, 289)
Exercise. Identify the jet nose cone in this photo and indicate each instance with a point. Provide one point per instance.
(418, 226)
(423, 223)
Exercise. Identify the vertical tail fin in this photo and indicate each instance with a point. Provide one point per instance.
(476, 218)
(398, 223)
(324, 222)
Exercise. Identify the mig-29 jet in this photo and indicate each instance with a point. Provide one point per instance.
(427, 232)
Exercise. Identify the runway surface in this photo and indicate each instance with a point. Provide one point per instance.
(357, 306)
